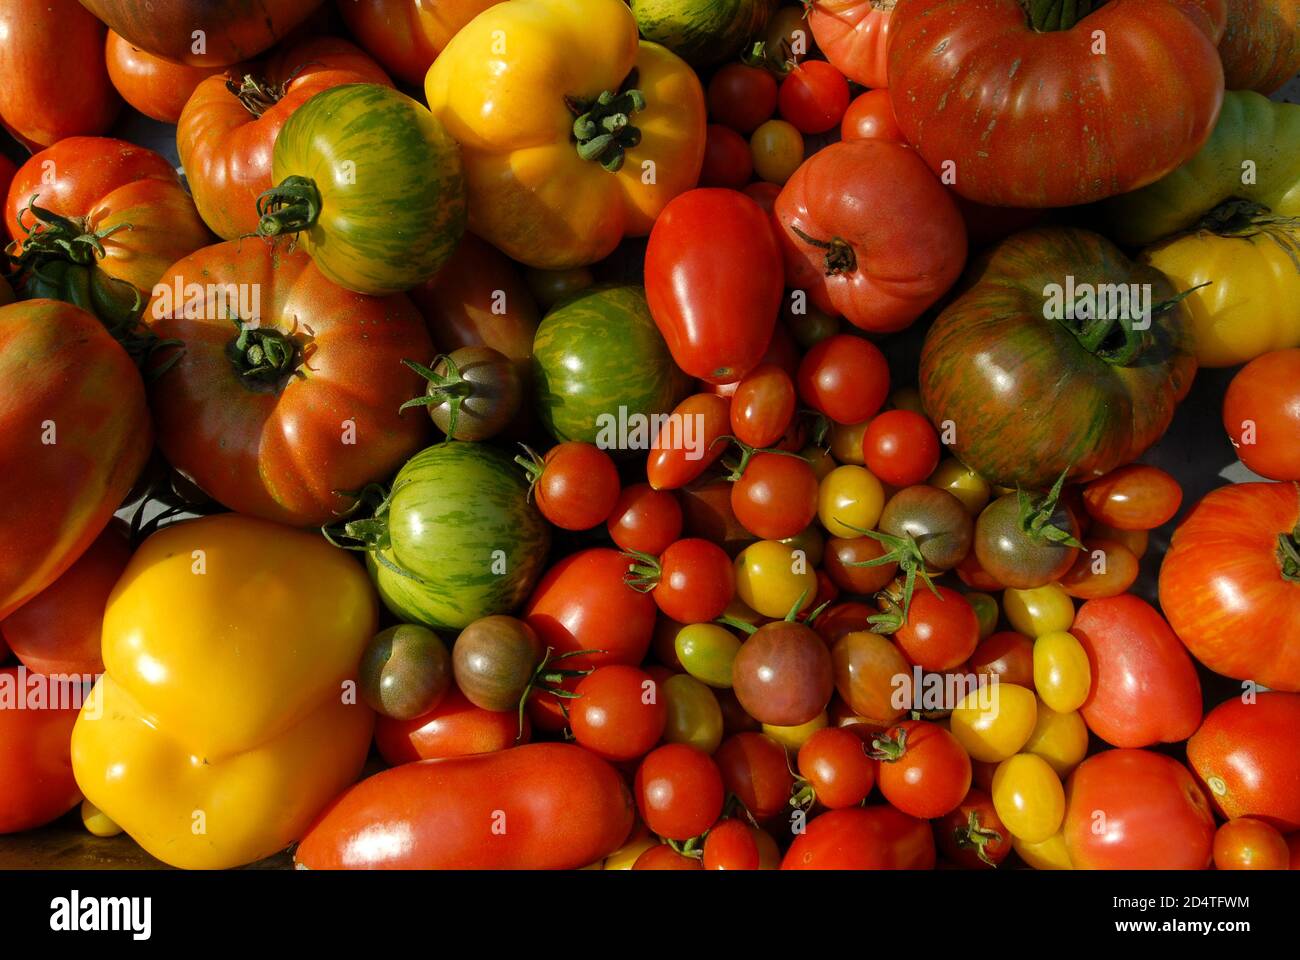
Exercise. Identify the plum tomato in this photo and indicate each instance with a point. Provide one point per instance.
(1135, 497)
(763, 406)
(1028, 797)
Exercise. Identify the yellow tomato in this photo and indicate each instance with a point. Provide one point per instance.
(694, 716)
(97, 822)
(1062, 675)
(792, 738)
(963, 483)
(993, 721)
(846, 441)
(772, 577)
(850, 497)
(1029, 798)
(623, 858)
(1049, 854)
(1039, 611)
(1059, 738)
(777, 149)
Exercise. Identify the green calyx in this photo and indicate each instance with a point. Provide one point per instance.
(889, 749)
(905, 552)
(643, 572)
(256, 94)
(290, 207)
(548, 678)
(1036, 516)
(450, 388)
(1046, 16)
(737, 468)
(603, 128)
(263, 357)
(974, 836)
(1288, 554)
(369, 534)
(840, 257)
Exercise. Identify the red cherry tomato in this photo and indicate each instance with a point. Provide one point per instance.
(763, 406)
(940, 632)
(871, 117)
(973, 835)
(1247, 844)
(728, 161)
(645, 519)
(678, 791)
(730, 846)
(813, 97)
(924, 771)
(845, 377)
(776, 496)
(742, 97)
(901, 448)
(1007, 655)
(837, 767)
(1135, 497)
(1261, 412)
(695, 581)
(618, 713)
(870, 838)
(663, 857)
(576, 486)
(754, 768)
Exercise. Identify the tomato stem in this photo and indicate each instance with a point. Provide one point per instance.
(906, 552)
(976, 836)
(450, 388)
(1046, 16)
(1288, 554)
(840, 257)
(644, 573)
(1035, 516)
(256, 94)
(889, 749)
(264, 357)
(289, 207)
(602, 128)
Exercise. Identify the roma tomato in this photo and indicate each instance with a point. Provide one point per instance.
(58, 631)
(576, 486)
(1153, 816)
(742, 96)
(583, 603)
(454, 728)
(618, 713)
(754, 768)
(40, 102)
(900, 447)
(678, 791)
(128, 198)
(645, 519)
(1247, 844)
(776, 496)
(35, 754)
(231, 29)
(1135, 497)
(690, 442)
(156, 87)
(228, 128)
(1247, 754)
(716, 318)
(1062, 673)
(1144, 685)
(854, 35)
(813, 97)
(763, 406)
(76, 432)
(923, 769)
(563, 808)
(871, 838)
(406, 36)
(283, 397)
(1261, 412)
(846, 378)
(973, 836)
(871, 117)
(1230, 583)
(837, 768)
(870, 233)
(1043, 152)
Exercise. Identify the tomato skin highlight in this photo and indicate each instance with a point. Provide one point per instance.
(563, 807)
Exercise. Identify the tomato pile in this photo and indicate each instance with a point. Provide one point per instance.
(666, 434)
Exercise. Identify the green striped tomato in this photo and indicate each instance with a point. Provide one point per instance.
(597, 355)
(371, 183)
(702, 32)
(464, 541)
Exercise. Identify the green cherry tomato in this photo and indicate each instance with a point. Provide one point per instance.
(694, 716)
(706, 651)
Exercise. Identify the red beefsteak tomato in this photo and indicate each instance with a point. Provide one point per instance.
(74, 435)
(1230, 583)
(1026, 112)
(228, 127)
(1247, 755)
(211, 33)
(1261, 45)
(283, 396)
(55, 82)
(870, 233)
(406, 36)
(854, 35)
(713, 282)
(540, 806)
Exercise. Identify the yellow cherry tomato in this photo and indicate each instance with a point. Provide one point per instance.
(771, 578)
(1039, 611)
(97, 822)
(1059, 738)
(777, 149)
(846, 441)
(694, 717)
(792, 738)
(1028, 796)
(1062, 675)
(963, 483)
(993, 721)
(849, 501)
(1049, 854)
